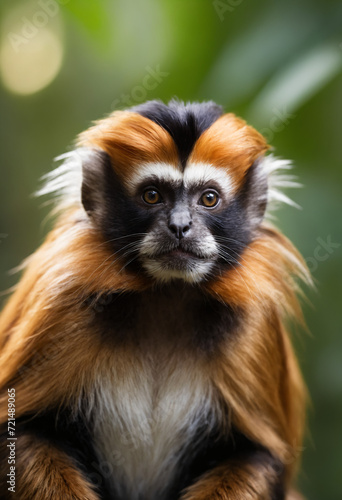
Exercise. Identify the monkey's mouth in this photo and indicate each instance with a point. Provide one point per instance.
(180, 260)
(187, 260)
(180, 254)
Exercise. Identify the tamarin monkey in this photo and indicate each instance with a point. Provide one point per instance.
(144, 352)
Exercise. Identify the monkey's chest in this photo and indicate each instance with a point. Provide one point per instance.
(147, 422)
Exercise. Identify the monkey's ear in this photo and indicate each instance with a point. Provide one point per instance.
(253, 194)
(97, 180)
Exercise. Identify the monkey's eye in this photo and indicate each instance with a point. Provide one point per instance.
(151, 196)
(209, 199)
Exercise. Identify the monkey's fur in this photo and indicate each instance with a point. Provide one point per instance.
(146, 340)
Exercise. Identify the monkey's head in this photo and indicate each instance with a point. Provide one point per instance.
(178, 191)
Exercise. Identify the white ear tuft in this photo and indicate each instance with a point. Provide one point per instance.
(277, 180)
(65, 181)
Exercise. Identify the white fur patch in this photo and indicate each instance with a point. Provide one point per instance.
(194, 174)
(65, 181)
(206, 247)
(272, 166)
(160, 171)
(204, 173)
(194, 273)
(146, 414)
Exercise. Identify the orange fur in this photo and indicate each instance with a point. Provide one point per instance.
(235, 480)
(240, 482)
(130, 140)
(265, 285)
(230, 144)
(47, 473)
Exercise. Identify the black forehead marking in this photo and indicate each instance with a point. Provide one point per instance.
(184, 122)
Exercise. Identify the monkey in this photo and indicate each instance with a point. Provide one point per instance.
(147, 344)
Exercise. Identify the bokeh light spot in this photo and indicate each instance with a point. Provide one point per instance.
(31, 52)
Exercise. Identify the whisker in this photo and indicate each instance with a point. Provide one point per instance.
(130, 248)
(127, 264)
(250, 250)
(133, 235)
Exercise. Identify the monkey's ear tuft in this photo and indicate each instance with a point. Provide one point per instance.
(253, 194)
(97, 175)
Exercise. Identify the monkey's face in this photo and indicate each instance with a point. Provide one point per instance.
(172, 224)
(176, 191)
(187, 216)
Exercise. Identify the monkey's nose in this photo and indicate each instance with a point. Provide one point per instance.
(179, 226)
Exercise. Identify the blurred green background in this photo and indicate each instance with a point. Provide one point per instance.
(278, 64)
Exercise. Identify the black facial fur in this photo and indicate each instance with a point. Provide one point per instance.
(184, 122)
(234, 226)
(231, 231)
(117, 215)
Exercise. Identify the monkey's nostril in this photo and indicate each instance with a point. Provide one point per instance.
(179, 229)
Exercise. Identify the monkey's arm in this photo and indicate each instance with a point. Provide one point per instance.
(43, 372)
(43, 471)
(254, 476)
